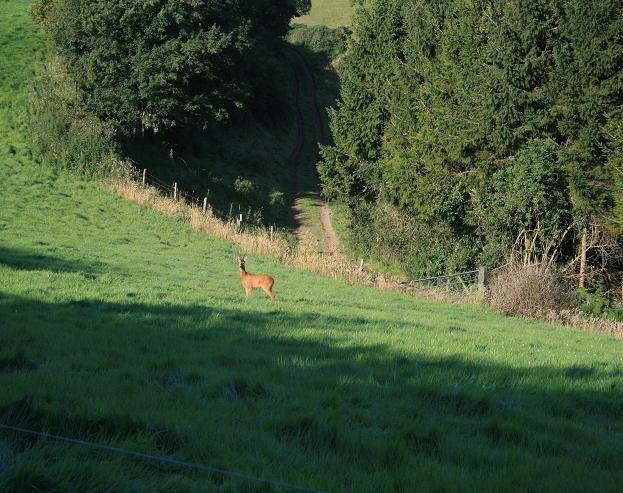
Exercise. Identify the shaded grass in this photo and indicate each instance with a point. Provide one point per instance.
(125, 327)
(211, 163)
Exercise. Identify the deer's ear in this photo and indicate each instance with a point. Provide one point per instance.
(244, 258)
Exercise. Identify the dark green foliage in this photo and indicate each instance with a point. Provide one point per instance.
(596, 303)
(614, 162)
(198, 92)
(389, 233)
(494, 121)
(161, 64)
(320, 39)
(528, 202)
(587, 87)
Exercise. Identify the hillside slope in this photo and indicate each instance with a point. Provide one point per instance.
(331, 13)
(124, 327)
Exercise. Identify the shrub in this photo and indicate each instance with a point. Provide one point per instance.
(276, 198)
(396, 238)
(531, 291)
(159, 64)
(243, 187)
(64, 132)
(596, 304)
(320, 39)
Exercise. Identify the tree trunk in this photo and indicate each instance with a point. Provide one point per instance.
(582, 281)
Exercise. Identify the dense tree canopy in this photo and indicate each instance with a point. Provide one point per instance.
(157, 63)
(493, 120)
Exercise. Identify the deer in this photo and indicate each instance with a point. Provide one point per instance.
(251, 281)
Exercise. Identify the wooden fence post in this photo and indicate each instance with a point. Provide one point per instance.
(240, 222)
(144, 176)
(361, 266)
(175, 191)
(205, 204)
(582, 280)
(271, 232)
(483, 278)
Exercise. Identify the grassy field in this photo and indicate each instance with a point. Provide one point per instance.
(125, 327)
(332, 13)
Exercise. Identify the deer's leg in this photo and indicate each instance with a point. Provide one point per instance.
(269, 292)
(249, 291)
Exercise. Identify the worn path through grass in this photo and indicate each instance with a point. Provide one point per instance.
(312, 217)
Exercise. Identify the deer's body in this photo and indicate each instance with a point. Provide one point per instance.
(251, 281)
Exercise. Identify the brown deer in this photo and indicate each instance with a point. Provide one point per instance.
(250, 281)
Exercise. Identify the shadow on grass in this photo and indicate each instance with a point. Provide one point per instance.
(27, 260)
(305, 390)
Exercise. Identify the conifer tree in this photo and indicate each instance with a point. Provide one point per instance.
(490, 120)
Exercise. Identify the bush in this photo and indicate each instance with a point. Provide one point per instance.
(276, 198)
(320, 39)
(66, 134)
(412, 248)
(244, 188)
(160, 64)
(596, 304)
(530, 291)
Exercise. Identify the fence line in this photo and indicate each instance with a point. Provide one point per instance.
(481, 279)
(161, 458)
(142, 176)
(442, 277)
(236, 217)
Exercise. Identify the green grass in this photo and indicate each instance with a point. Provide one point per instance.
(331, 13)
(20, 46)
(125, 327)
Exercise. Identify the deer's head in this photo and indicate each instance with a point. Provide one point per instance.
(241, 262)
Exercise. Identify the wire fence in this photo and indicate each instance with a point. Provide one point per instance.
(244, 218)
(457, 282)
(161, 458)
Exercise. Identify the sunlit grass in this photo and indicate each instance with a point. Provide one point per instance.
(123, 326)
(332, 13)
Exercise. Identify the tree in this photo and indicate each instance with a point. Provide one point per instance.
(158, 64)
(492, 120)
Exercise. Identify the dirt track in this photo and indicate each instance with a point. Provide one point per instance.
(330, 241)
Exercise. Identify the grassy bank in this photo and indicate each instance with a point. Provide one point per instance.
(331, 13)
(125, 327)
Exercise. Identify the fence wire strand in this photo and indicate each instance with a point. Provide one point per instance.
(161, 458)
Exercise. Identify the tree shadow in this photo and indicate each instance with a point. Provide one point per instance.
(32, 261)
(239, 163)
(305, 393)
